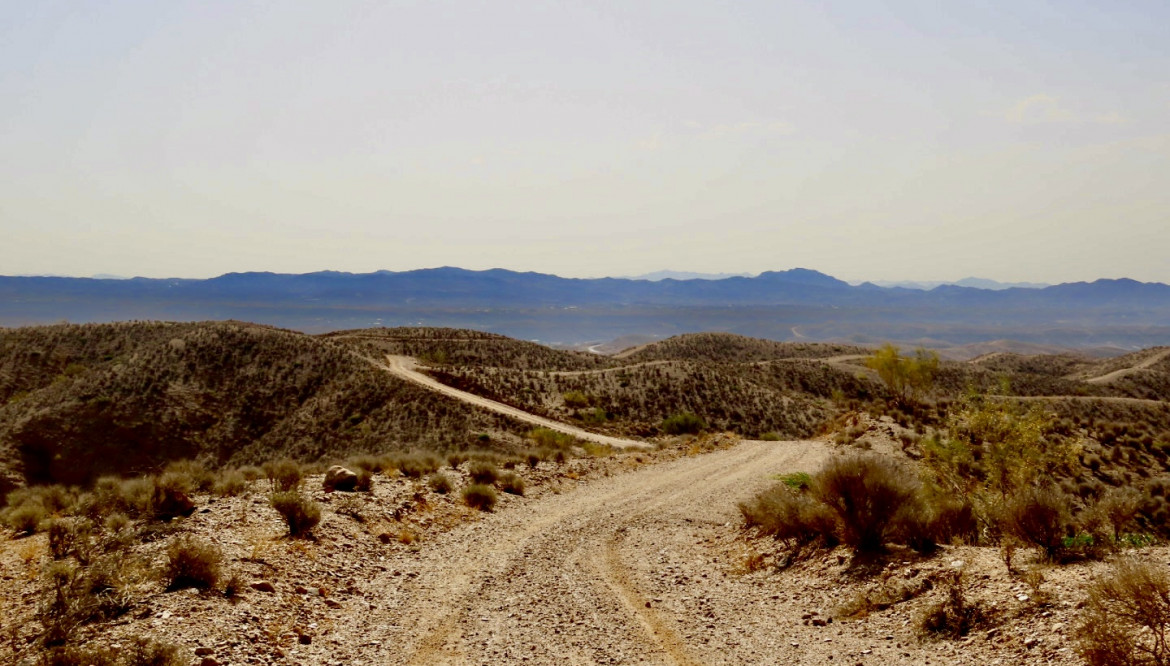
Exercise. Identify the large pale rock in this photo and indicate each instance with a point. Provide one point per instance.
(339, 478)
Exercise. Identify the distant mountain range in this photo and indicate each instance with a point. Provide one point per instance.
(796, 304)
(973, 282)
(686, 275)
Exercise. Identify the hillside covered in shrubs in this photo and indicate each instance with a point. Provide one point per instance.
(81, 401)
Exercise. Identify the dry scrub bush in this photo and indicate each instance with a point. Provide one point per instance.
(1040, 517)
(416, 465)
(192, 562)
(440, 483)
(71, 537)
(1127, 617)
(196, 476)
(285, 475)
(684, 423)
(862, 500)
(29, 507)
(300, 513)
(23, 519)
(230, 483)
(140, 652)
(869, 494)
(479, 496)
(787, 516)
(74, 595)
(511, 483)
(483, 472)
(955, 616)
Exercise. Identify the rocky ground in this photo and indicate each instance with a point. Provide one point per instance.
(635, 558)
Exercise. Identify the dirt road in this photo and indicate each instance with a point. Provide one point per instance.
(1118, 374)
(571, 579)
(406, 368)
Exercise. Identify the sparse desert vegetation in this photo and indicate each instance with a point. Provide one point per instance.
(963, 505)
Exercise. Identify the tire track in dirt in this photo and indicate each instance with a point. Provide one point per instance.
(547, 583)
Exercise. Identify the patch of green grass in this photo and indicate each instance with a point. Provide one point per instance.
(795, 480)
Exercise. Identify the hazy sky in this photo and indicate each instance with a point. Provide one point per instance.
(1019, 140)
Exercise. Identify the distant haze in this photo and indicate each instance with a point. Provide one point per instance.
(1021, 141)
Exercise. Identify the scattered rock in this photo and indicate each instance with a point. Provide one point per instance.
(263, 586)
(339, 478)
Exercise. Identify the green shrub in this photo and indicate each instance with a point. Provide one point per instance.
(1127, 616)
(576, 400)
(285, 475)
(300, 513)
(440, 483)
(549, 438)
(483, 472)
(797, 480)
(685, 423)
(64, 605)
(479, 496)
(511, 483)
(192, 562)
(869, 494)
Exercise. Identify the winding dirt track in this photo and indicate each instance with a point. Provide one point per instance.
(1118, 374)
(405, 367)
(556, 580)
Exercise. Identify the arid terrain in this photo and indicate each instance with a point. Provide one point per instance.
(628, 519)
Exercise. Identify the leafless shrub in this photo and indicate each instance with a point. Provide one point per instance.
(1127, 618)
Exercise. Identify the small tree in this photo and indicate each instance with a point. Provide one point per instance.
(908, 378)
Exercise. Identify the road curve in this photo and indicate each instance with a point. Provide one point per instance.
(405, 367)
(1123, 372)
(560, 579)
